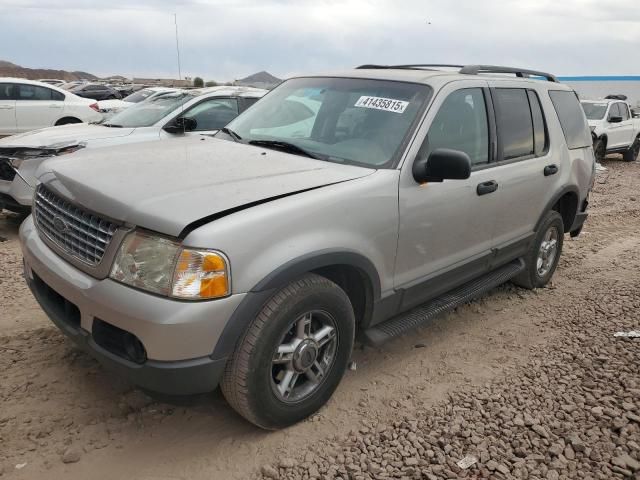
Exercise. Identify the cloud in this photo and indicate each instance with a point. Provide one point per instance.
(228, 39)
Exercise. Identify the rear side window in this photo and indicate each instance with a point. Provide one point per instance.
(515, 126)
(572, 118)
(540, 140)
(35, 92)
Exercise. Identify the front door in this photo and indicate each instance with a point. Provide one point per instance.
(7, 110)
(446, 229)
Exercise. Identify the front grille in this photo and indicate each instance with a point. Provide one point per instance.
(79, 233)
(6, 170)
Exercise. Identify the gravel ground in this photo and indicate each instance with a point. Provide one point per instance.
(520, 384)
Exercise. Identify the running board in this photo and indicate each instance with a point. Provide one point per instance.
(402, 323)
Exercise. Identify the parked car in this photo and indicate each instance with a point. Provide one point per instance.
(53, 81)
(252, 259)
(613, 128)
(27, 105)
(96, 91)
(169, 114)
(114, 106)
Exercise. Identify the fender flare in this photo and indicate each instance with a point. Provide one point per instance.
(257, 296)
(568, 189)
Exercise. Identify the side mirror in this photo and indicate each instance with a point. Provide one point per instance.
(180, 125)
(615, 119)
(442, 164)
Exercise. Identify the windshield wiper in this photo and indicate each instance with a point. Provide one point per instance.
(285, 146)
(231, 133)
(111, 125)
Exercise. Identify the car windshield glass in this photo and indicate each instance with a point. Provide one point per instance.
(139, 96)
(594, 111)
(146, 113)
(347, 120)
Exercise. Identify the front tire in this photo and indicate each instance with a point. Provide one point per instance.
(632, 153)
(543, 255)
(599, 150)
(292, 357)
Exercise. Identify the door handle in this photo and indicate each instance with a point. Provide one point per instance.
(550, 170)
(486, 187)
(55, 106)
(6, 107)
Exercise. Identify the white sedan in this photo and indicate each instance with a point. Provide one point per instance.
(182, 112)
(109, 107)
(28, 105)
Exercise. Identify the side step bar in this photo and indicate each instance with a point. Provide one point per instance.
(402, 323)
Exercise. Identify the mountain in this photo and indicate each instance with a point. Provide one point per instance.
(8, 69)
(260, 79)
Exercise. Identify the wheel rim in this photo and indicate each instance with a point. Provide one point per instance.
(547, 252)
(304, 356)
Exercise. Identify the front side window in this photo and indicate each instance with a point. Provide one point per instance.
(594, 111)
(624, 111)
(461, 124)
(345, 120)
(5, 91)
(213, 114)
(614, 111)
(147, 113)
(514, 122)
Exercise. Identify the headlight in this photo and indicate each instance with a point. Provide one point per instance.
(160, 265)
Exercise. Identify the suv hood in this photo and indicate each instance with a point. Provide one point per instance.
(169, 186)
(64, 135)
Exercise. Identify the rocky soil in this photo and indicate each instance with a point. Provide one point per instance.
(517, 384)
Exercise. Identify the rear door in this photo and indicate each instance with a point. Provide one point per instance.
(7, 110)
(37, 106)
(525, 169)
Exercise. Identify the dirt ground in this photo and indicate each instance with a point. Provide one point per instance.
(533, 384)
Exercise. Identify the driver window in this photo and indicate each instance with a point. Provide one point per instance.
(213, 114)
(461, 124)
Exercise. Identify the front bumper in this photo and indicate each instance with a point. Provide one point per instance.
(178, 337)
(15, 195)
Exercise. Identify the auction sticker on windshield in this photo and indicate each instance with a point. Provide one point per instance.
(379, 103)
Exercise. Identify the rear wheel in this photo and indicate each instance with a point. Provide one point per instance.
(293, 355)
(632, 153)
(68, 121)
(543, 256)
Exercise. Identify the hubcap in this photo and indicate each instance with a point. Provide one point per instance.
(547, 252)
(304, 356)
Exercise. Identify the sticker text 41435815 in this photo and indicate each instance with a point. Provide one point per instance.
(379, 103)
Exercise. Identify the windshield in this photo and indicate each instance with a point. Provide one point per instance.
(357, 121)
(594, 111)
(139, 95)
(148, 112)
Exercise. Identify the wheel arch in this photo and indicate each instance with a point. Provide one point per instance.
(565, 202)
(66, 120)
(352, 271)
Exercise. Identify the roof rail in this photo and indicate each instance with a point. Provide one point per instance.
(469, 69)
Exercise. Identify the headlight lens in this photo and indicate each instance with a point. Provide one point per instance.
(160, 265)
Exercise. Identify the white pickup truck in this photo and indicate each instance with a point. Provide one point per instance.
(613, 128)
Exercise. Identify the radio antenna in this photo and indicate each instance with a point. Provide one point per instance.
(175, 20)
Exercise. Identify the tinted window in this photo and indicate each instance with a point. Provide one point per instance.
(35, 92)
(515, 126)
(624, 111)
(540, 141)
(5, 91)
(572, 118)
(461, 124)
(614, 111)
(213, 114)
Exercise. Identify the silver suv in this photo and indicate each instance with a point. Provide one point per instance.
(362, 202)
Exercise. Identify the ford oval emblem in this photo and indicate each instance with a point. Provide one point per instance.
(59, 224)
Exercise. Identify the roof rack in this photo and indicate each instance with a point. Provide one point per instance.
(470, 69)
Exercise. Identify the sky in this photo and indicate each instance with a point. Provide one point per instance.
(228, 39)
